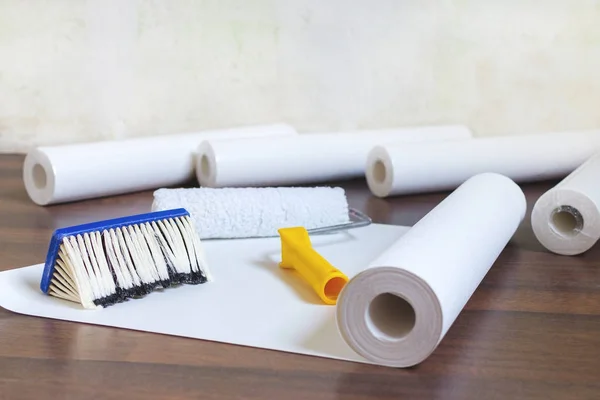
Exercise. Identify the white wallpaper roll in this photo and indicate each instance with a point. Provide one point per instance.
(81, 171)
(305, 158)
(566, 219)
(396, 311)
(428, 167)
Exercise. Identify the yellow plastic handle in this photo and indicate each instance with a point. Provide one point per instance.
(297, 253)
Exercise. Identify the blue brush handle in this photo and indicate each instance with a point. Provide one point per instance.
(99, 226)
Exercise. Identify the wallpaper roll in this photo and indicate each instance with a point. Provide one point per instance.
(305, 158)
(566, 219)
(59, 174)
(397, 311)
(420, 168)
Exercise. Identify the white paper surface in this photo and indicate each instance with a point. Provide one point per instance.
(252, 302)
(396, 311)
(420, 168)
(305, 158)
(81, 171)
(566, 219)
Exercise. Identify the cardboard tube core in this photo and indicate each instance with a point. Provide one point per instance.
(566, 220)
(390, 316)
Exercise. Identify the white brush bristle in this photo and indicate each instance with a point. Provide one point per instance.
(99, 269)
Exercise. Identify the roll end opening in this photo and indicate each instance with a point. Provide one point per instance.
(390, 317)
(566, 221)
(39, 176)
(205, 167)
(379, 172)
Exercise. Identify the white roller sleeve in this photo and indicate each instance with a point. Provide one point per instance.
(255, 212)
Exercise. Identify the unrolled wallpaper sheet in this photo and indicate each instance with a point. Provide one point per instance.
(407, 286)
(59, 174)
(252, 301)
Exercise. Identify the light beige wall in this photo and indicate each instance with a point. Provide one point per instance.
(100, 69)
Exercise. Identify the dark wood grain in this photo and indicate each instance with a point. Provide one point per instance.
(531, 330)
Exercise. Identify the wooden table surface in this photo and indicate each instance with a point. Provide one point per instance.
(530, 331)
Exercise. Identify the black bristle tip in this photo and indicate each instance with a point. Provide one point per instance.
(138, 292)
(196, 278)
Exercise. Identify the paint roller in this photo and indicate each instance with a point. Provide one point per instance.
(229, 213)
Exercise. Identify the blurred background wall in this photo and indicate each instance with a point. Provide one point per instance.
(80, 70)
